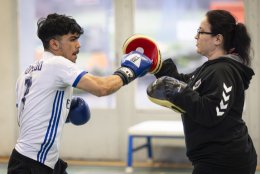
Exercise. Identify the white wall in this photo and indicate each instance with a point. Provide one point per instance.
(8, 75)
(252, 20)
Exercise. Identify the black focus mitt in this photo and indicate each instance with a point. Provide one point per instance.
(164, 90)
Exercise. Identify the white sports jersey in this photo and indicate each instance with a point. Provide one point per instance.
(44, 93)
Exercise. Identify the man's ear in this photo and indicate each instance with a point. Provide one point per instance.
(54, 44)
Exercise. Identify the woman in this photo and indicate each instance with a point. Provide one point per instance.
(212, 98)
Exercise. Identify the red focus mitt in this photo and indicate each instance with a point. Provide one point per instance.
(146, 46)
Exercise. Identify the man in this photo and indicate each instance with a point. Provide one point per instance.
(44, 93)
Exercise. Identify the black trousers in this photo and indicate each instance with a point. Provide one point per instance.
(202, 168)
(20, 164)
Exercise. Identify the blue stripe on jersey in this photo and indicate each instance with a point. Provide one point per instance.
(46, 136)
(56, 108)
(56, 125)
(78, 78)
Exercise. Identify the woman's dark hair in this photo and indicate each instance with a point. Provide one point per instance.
(236, 37)
(56, 25)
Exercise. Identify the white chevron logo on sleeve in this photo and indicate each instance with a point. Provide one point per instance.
(225, 97)
(219, 113)
(226, 88)
(222, 106)
(224, 101)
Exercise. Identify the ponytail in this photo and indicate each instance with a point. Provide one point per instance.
(236, 37)
(242, 42)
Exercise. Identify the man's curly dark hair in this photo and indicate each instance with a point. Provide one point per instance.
(56, 25)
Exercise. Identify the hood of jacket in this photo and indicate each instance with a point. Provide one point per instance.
(245, 71)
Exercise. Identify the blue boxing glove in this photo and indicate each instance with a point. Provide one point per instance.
(79, 113)
(134, 64)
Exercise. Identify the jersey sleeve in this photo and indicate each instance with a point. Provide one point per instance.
(210, 105)
(68, 73)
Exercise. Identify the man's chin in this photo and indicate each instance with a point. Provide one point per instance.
(74, 58)
(198, 51)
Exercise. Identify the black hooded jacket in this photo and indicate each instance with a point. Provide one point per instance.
(214, 100)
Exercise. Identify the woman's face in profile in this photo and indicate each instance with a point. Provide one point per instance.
(205, 40)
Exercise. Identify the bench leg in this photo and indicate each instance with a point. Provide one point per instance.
(149, 148)
(129, 168)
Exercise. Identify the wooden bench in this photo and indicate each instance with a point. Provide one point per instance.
(149, 130)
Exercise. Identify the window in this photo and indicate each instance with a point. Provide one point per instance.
(173, 25)
(97, 46)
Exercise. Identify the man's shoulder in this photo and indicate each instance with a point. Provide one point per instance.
(59, 62)
(51, 58)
